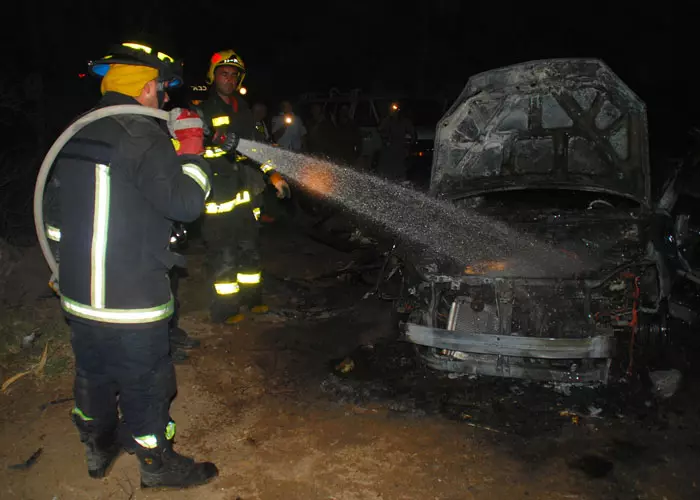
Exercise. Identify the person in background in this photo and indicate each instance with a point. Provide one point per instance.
(348, 138)
(397, 132)
(321, 132)
(288, 129)
(262, 133)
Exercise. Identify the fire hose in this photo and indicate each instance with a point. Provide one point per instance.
(50, 158)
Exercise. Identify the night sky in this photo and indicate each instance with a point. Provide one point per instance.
(374, 45)
(425, 49)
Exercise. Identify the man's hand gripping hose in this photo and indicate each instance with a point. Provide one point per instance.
(281, 185)
(226, 140)
(186, 127)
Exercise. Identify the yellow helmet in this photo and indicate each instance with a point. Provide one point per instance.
(226, 58)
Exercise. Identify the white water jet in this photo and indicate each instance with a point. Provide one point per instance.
(455, 232)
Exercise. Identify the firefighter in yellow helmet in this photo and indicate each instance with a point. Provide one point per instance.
(230, 227)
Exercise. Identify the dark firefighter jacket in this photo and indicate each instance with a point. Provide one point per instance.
(231, 175)
(121, 185)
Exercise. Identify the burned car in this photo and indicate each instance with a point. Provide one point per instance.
(558, 151)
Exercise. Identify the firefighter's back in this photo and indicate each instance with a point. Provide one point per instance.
(112, 239)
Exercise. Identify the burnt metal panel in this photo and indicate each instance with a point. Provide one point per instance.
(556, 123)
(600, 346)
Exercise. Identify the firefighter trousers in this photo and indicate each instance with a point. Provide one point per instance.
(131, 364)
(233, 258)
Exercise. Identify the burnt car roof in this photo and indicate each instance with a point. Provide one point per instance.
(554, 123)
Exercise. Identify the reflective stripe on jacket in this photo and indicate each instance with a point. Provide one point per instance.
(121, 186)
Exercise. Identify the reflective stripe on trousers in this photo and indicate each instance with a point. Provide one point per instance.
(233, 287)
(227, 288)
(150, 441)
(248, 278)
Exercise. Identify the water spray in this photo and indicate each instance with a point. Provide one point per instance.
(454, 232)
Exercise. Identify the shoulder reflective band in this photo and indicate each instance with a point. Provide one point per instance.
(222, 208)
(213, 152)
(219, 121)
(53, 233)
(228, 288)
(266, 167)
(149, 442)
(248, 279)
(176, 144)
(100, 229)
(197, 174)
(256, 213)
(122, 316)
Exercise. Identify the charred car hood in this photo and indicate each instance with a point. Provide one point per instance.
(557, 123)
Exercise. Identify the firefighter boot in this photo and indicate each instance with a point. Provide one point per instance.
(163, 467)
(255, 301)
(226, 311)
(101, 447)
(250, 281)
(180, 339)
(178, 356)
(226, 304)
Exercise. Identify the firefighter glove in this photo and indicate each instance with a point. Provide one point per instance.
(281, 186)
(186, 127)
(226, 140)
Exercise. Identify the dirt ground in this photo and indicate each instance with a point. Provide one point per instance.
(263, 400)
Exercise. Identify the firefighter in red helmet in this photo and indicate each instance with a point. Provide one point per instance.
(230, 226)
